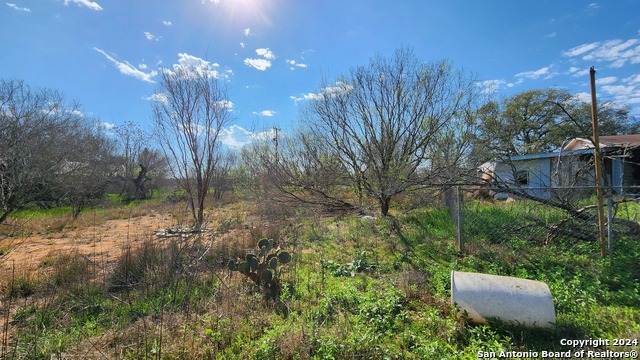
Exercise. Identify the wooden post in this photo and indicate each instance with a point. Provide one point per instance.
(597, 162)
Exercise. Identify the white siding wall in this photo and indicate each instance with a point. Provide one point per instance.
(539, 176)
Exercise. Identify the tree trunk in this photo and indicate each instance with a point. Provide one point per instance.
(385, 202)
(201, 194)
(76, 208)
(138, 183)
(200, 212)
(192, 206)
(4, 216)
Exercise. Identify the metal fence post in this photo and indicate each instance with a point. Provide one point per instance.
(458, 219)
(610, 223)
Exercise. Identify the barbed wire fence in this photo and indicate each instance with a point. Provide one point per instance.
(489, 220)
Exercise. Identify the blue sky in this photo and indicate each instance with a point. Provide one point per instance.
(274, 53)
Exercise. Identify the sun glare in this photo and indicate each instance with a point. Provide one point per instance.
(244, 10)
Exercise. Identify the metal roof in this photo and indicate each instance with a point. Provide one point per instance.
(551, 155)
(632, 140)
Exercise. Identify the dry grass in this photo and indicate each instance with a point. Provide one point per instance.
(147, 297)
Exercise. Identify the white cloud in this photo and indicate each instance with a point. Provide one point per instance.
(293, 64)
(576, 72)
(633, 79)
(491, 86)
(107, 125)
(260, 64)
(265, 113)
(247, 32)
(580, 49)
(151, 37)
(225, 104)
(623, 94)
(309, 96)
(536, 74)
(584, 97)
(17, 8)
(197, 65)
(634, 100)
(627, 93)
(266, 53)
(242, 45)
(620, 90)
(550, 35)
(86, 3)
(166, 23)
(142, 66)
(607, 80)
(75, 112)
(127, 69)
(329, 91)
(159, 97)
(616, 52)
(194, 61)
(236, 137)
(593, 6)
(54, 107)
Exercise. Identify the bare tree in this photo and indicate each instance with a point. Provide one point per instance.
(140, 165)
(222, 180)
(39, 132)
(192, 111)
(383, 120)
(86, 173)
(302, 170)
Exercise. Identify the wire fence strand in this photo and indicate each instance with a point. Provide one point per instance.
(521, 220)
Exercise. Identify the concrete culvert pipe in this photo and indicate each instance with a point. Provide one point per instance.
(509, 299)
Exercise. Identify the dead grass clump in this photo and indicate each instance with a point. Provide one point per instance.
(67, 269)
(21, 284)
(274, 211)
(293, 342)
(44, 225)
(230, 246)
(135, 263)
(266, 230)
(417, 289)
(145, 338)
(414, 284)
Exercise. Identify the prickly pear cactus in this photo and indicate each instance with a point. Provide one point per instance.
(263, 268)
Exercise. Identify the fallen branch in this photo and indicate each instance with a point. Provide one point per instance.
(558, 229)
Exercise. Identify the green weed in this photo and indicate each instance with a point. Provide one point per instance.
(356, 288)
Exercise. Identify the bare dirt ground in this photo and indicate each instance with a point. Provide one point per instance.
(102, 243)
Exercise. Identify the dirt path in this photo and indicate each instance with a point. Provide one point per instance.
(102, 243)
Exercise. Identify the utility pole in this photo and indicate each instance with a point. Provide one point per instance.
(597, 162)
(275, 139)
